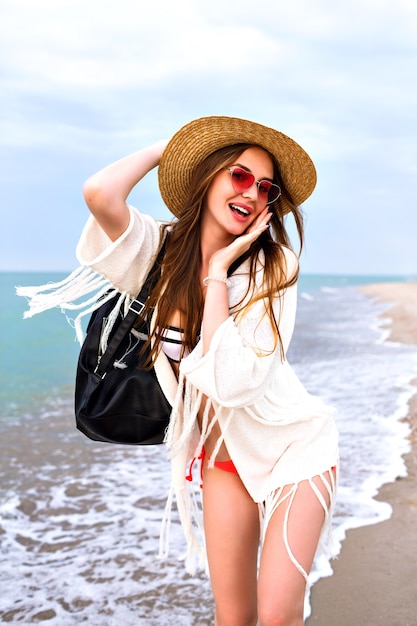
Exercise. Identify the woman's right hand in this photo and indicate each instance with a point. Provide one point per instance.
(106, 191)
(222, 259)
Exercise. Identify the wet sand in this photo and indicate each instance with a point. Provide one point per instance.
(375, 577)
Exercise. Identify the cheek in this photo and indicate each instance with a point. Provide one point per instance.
(260, 206)
(217, 193)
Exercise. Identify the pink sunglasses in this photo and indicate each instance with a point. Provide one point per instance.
(242, 180)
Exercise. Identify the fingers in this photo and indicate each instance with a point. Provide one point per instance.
(241, 244)
(256, 229)
(261, 221)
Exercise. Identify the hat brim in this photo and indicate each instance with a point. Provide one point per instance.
(196, 140)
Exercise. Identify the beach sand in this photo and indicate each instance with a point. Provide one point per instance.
(375, 576)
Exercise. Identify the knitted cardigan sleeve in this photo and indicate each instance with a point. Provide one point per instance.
(125, 262)
(241, 359)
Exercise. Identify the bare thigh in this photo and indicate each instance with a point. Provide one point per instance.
(231, 524)
(281, 586)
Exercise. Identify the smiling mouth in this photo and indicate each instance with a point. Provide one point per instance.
(239, 210)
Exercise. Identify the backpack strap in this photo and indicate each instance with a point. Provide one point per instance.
(135, 310)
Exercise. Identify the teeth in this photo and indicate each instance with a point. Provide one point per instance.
(239, 209)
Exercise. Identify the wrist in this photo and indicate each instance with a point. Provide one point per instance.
(215, 278)
(217, 269)
(154, 153)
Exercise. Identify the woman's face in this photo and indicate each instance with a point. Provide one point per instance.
(228, 212)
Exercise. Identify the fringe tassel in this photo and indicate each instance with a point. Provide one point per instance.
(205, 428)
(191, 521)
(221, 438)
(182, 438)
(164, 537)
(268, 508)
(183, 419)
(63, 295)
(326, 543)
(177, 411)
(42, 297)
(110, 322)
(98, 299)
(277, 498)
(29, 291)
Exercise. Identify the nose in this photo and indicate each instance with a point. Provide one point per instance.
(251, 192)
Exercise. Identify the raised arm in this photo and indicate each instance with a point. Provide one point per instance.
(106, 191)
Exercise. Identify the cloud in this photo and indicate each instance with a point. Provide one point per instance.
(101, 45)
(84, 82)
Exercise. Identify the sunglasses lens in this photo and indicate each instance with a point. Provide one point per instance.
(268, 192)
(241, 179)
(264, 191)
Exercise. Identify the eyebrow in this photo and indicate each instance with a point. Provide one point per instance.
(249, 170)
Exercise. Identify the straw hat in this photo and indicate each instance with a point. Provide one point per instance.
(199, 138)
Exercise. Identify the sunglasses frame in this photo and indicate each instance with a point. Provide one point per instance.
(233, 168)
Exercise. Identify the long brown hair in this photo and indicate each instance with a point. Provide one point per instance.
(179, 288)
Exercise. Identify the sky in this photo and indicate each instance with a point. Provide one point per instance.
(84, 82)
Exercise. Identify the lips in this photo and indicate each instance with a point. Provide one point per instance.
(240, 210)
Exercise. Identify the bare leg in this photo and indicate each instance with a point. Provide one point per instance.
(281, 586)
(231, 524)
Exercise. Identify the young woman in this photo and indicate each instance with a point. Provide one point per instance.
(224, 312)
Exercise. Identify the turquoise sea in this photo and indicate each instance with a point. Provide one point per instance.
(79, 521)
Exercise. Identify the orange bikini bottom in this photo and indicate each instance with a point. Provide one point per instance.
(225, 466)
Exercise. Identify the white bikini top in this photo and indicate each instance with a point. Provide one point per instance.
(172, 342)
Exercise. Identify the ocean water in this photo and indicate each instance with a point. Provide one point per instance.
(79, 521)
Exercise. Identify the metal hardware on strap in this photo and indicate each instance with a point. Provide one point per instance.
(140, 306)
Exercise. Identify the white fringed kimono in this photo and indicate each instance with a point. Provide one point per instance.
(276, 433)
